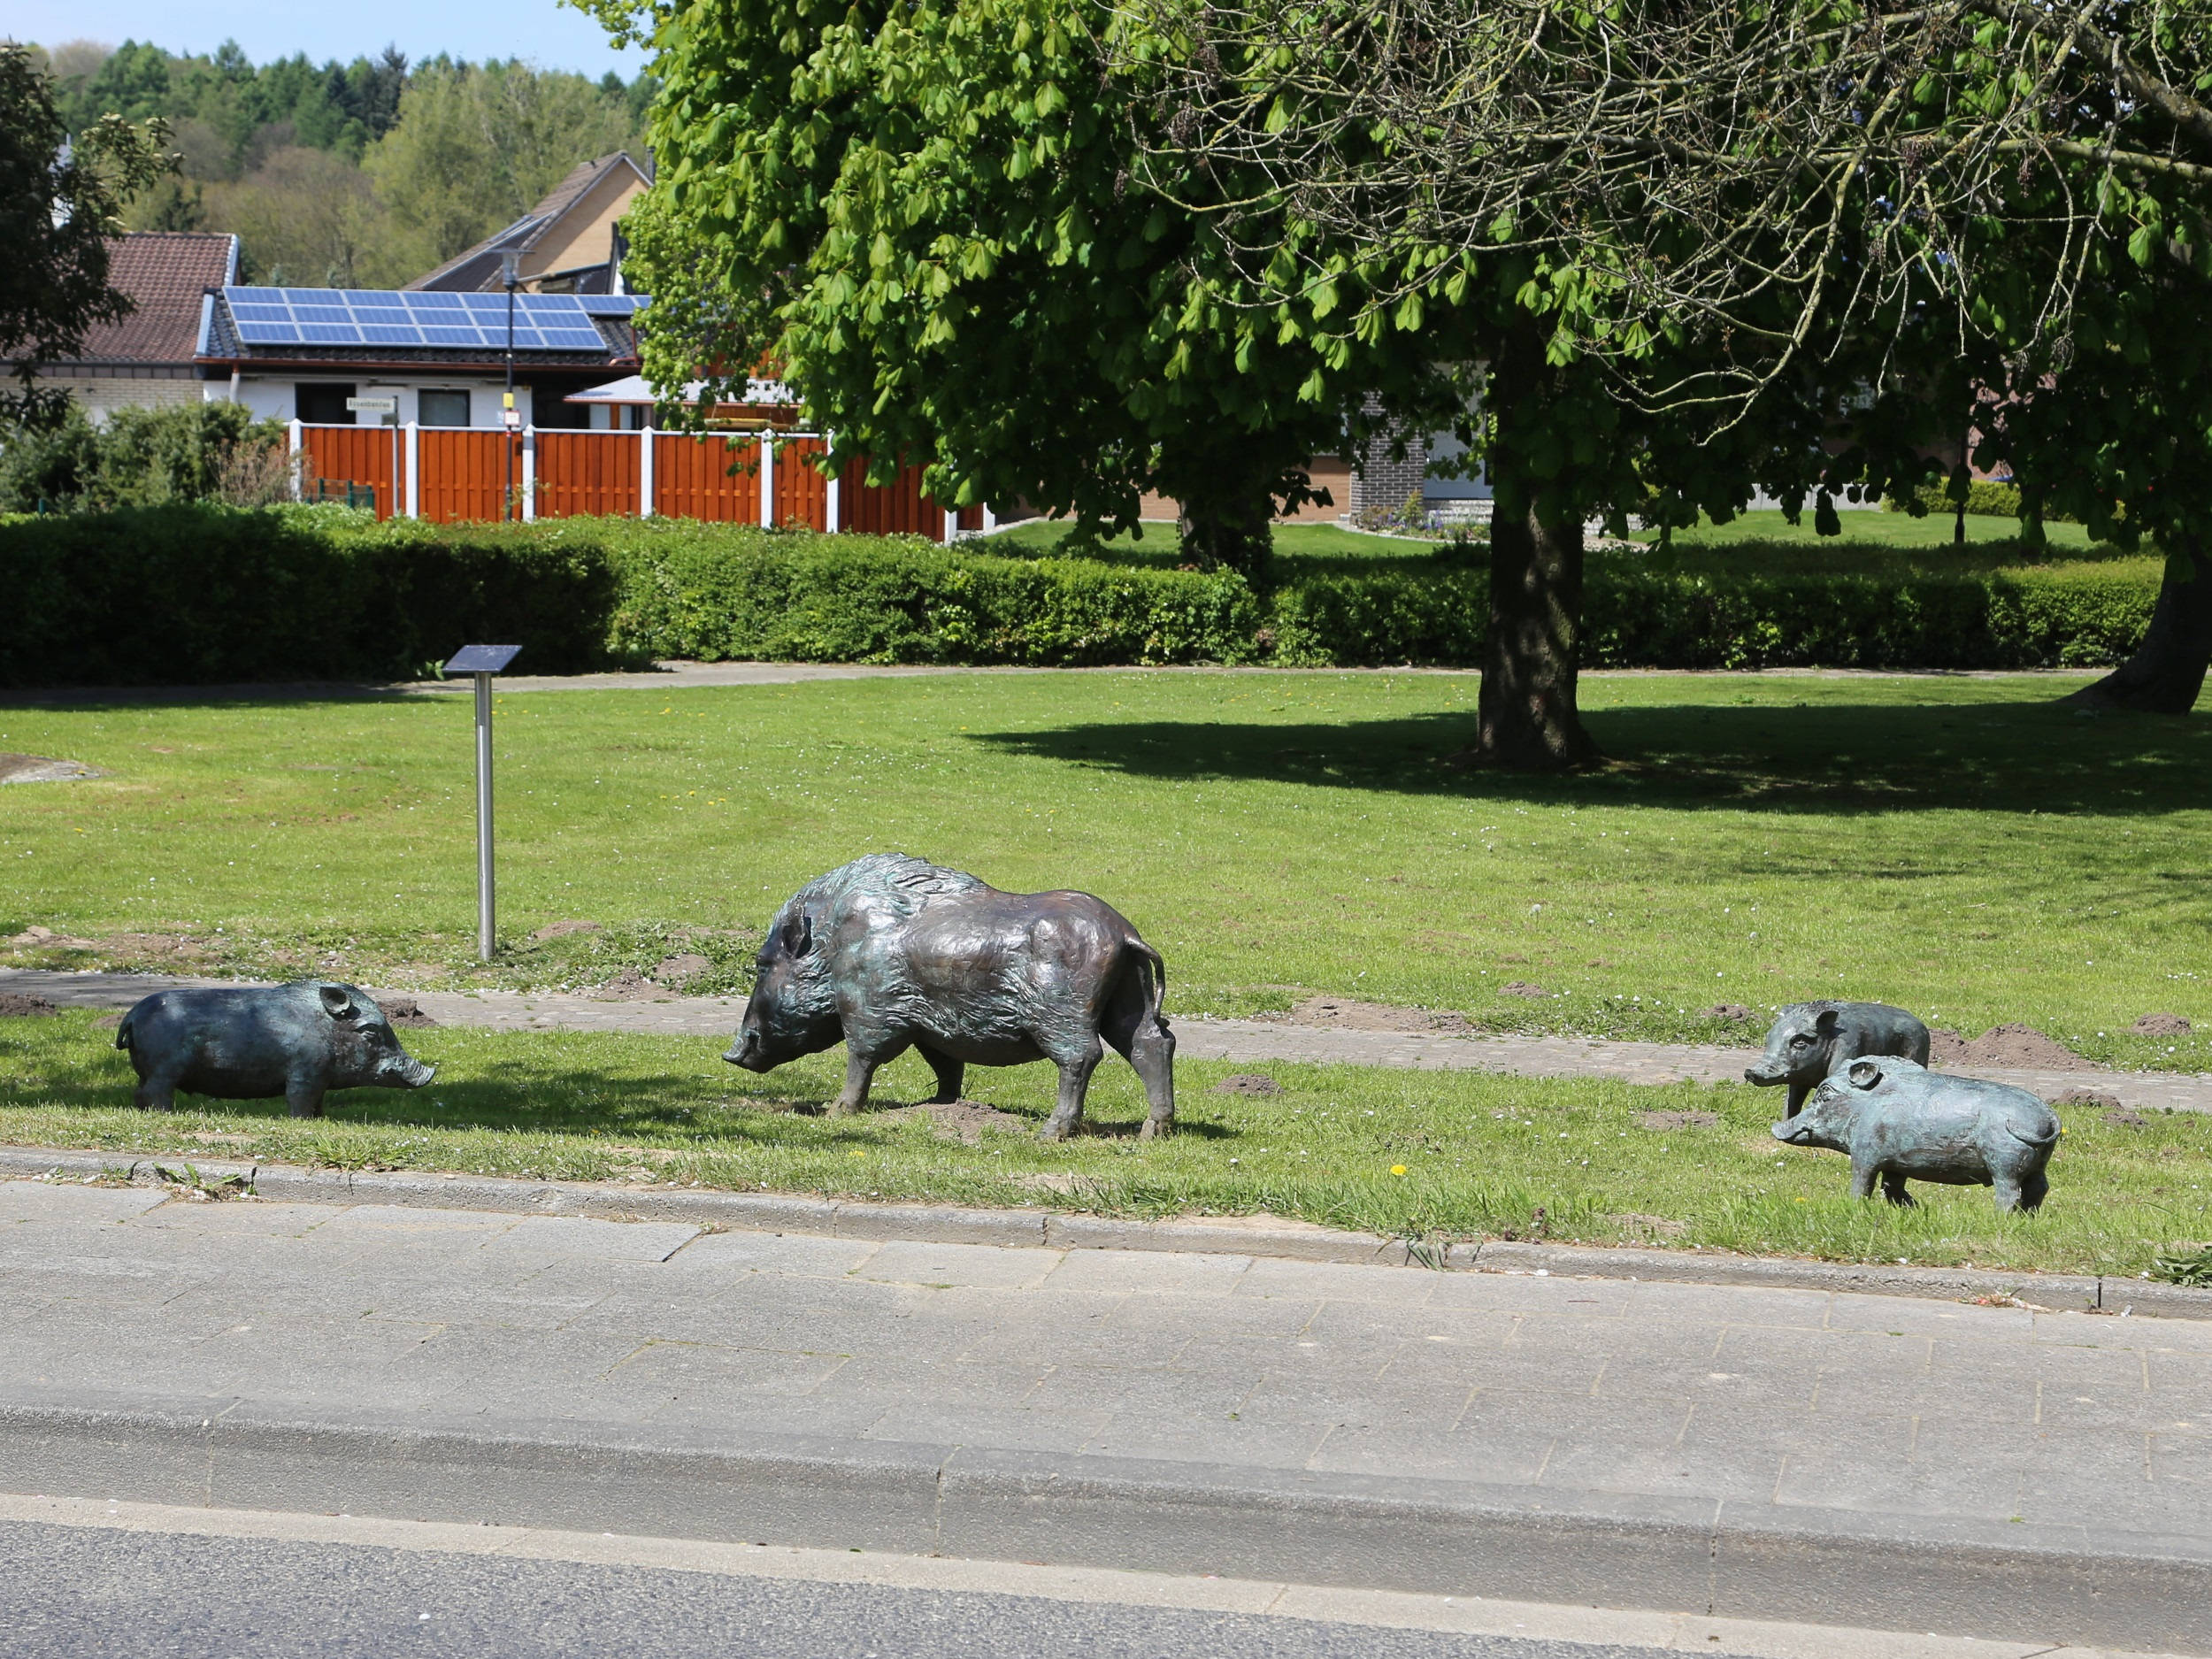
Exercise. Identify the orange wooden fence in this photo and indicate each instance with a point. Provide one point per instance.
(463, 474)
(714, 478)
(356, 455)
(594, 472)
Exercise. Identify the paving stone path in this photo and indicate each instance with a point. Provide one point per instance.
(1256, 1041)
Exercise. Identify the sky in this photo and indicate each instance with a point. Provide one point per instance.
(550, 35)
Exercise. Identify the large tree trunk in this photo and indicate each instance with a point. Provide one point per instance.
(1229, 533)
(2166, 671)
(1226, 490)
(1527, 717)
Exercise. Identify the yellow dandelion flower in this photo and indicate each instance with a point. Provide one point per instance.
(1397, 1169)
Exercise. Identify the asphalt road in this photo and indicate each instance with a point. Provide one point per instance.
(85, 1592)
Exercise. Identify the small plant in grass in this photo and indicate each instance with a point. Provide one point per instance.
(2184, 1267)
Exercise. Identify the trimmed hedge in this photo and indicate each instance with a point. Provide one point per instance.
(205, 594)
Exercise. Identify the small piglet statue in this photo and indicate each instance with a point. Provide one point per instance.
(1810, 1041)
(1897, 1121)
(299, 1041)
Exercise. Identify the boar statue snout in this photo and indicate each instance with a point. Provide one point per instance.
(1765, 1074)
(746, 1051)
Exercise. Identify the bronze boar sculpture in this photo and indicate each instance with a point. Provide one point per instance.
(890, 952)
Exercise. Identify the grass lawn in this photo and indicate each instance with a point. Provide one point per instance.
(1399, 1153)
(1957, 845)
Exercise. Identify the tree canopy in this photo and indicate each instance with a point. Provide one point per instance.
(60, 201)
(928, 215)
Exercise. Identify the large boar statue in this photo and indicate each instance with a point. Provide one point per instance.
(1812, 1041)
(890, 953)
(1899, 1122)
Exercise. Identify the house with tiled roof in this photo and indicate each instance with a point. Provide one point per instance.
(570, 242)
(151, 357)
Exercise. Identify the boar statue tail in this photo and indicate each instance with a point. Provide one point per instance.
(2044, 1140)
(123, 1031)
(1154, 974)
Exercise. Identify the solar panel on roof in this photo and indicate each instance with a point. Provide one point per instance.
(338, 317)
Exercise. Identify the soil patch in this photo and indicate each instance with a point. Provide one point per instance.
(42, 769)
(403, 1010)
(2160, 1025)
(680, 970)
(2022, 1047)
(2087, 1097)
(1667, 1123)
(1642, 1226)
(1522, 987)
(14, 1005)
(1735, 1012)
(962, 1120)
(629, 986)
(1248, 1083)
(1344, 1013)
(562, 930)
(36, 935)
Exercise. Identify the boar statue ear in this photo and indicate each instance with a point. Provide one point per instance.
(1828, 1022)
(337, 1002)
(1864, 1074)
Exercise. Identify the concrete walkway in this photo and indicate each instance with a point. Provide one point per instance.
(1927, 1466)
(1254, 1042)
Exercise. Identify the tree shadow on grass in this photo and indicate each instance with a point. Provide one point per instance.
(682, 1109)
(2019, 757)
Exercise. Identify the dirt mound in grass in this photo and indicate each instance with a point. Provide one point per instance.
(1344, 1013)
(1666, 1123)
(961, 1120)
(679, 970)
(1248, 1083)
(2022, 1048)
(562, 930)
(2160, 1025)
(629, 986)
(403, 1010)
(1522, 987)
(1735, 1013)
(42, 769)
(15, 1005)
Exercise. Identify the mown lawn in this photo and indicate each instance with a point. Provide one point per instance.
(1399, 1153)
(1958, 845)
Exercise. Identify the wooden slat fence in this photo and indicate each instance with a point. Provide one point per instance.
(355, 455)
(600, 474)
(461, 475)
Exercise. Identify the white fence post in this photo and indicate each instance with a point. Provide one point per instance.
(830, 506)
(645, 471)
(990, 519)
(767, 479)
(414, 470)
(299, 483)
(529, 474)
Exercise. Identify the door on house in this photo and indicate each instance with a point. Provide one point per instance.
(323, 402)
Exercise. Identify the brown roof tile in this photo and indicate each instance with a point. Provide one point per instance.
(165, 272)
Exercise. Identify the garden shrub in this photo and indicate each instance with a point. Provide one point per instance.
(142, 458)
(204, 593)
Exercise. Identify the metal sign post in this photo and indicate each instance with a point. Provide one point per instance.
(481, 661)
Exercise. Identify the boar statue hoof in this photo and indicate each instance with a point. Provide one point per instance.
(890, 953)
(1155, 1129)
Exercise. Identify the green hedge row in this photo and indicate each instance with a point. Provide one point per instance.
(204, 595)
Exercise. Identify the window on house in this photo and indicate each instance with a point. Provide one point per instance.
(442, 409)
(323, 404)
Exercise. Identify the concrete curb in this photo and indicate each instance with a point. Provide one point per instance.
(2071, 1583)
(1041, 1229)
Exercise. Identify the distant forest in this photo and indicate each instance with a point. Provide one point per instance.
(362, 174)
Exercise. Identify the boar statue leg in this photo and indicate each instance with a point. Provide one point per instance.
(1798, 1091)
(2026, 1194)
(1863, 1180)
(862, 1058)
(156, 1094)
(1893, 1189)
(1075, 1082)
(951, 1074)
(304, 1097)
